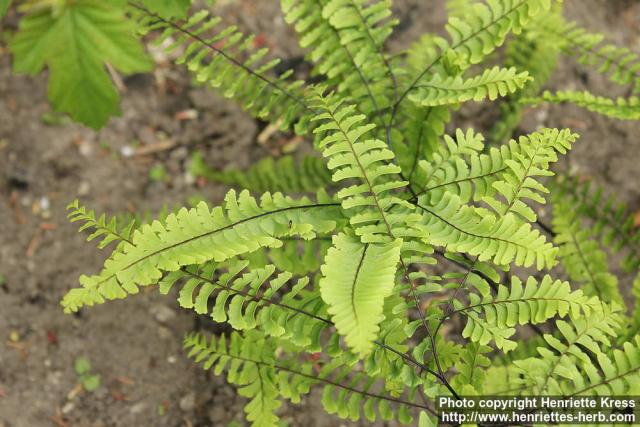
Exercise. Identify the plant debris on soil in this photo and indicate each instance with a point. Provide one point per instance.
(139, 163)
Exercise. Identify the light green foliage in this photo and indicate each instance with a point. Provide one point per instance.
(392, 284)
(345, 38)
(620, 108)
(226, 58)
(357, 277)
(251, 364)
(620, 64)
(581, 255)
(471, 374)
(199, 235)
(491, 84)
(582, 346)
(494, 318)
(351, 155)
(535, 52)
(75, 42)
(612, 222)
(285, 174)
(108, 230)
(503, 233)
(90, 381)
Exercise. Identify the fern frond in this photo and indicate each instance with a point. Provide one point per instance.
(424, 128)
(491, 84)
(297, 256)
(494, 318)
(199, 235)
(345, 39)
(462, 228)
(580, 255)
(536, 52)
(457, 7)
(357, 277)
(227, 59)
(613, 375)
(108, 230)
(259, 298)
(620, 108)
(351, 156)
(472, 369)
(287, 175)
(479, 32)
(580, 341)
(613, 222)
(346, 392)
(470, 177)
(249, 362)
(539, 149)
(504, 236)
(620, 64)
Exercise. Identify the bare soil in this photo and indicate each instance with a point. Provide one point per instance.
(135, 345)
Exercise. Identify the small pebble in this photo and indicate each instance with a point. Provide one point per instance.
(188, 403)
(162, 313)
(127, 151)
(84, 188)
(138, 408)
(68, 407)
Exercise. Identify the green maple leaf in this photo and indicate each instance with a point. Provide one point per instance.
(75, 43)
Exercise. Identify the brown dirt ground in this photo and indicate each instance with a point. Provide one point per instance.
(135, 345)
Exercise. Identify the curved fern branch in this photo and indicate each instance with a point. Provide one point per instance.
(199, 235)
(621, 108)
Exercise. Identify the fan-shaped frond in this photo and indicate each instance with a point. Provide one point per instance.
(228, 59)
(479, 32)
(502, 236)
(285, 174)
(491, 84)
(424, 129)
(250, 364)
(620, 108)
(297, 256)
(357, 277)
(617, 374)
(199, 235)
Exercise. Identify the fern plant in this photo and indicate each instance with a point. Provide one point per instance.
(346, 270)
